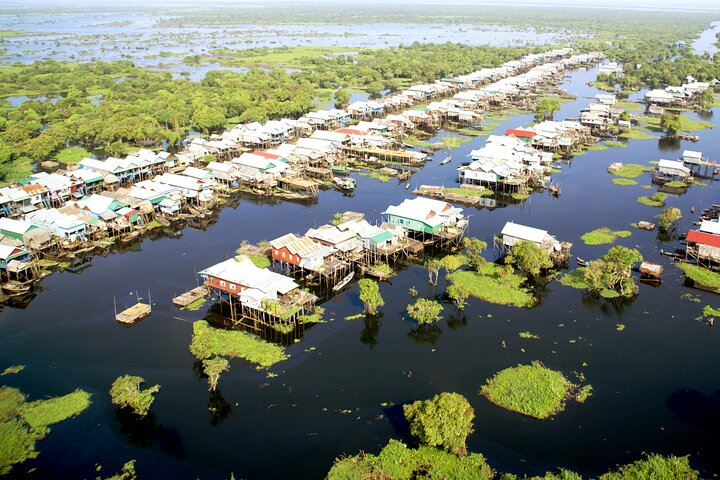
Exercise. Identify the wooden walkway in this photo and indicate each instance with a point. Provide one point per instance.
(134, 313)
(190, 296)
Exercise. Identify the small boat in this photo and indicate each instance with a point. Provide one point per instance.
(343, 282)
(447, 160)
(130, 237)
(344, 183)
(407, 185)
(582, 262)
(554, 190)
(163, 221)
(14, 288)
(339, 169)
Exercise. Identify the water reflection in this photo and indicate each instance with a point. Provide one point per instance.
(369, 334)
(218, 408)
(425, 334)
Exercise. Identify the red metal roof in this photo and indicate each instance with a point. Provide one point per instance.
(703, 238)
(271, 156)
(350, 131)
(519, 133)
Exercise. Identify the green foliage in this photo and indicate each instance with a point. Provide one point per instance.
(494, 284)
(473, 250)
(24, 423)
(125, 392)
(425, 311)
(676, 184)
(398, 462)
(631, 170)
(370, 295)
(13, 369)
(611, 272)
(668, 218)
(39, 414)
(657, 199)
(583, 394)
(528, 335)
(453, 262)
(654, 466)
(213, 367)
(72, 155)
(706, 100)
(636, 134)
(532, 390)
(701, 276)
(260, 261)
(709, 311)
(459, 294)
(127, 473)
(470, 192)
(624, 181)
(603, 236)
(575, 279)
(545, 108)
(208, 341)
(445, 421)
(670, 123)
(342, 97)
(529, 257)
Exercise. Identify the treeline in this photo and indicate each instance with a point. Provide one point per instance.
(114, 105)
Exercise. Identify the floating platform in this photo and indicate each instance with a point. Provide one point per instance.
(190, 296)
(134, 313)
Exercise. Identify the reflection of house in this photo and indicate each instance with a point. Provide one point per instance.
(513, 233)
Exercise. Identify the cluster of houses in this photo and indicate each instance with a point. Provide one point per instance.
(330, 251)
(676, 96)
(603, 113)
(522, 154)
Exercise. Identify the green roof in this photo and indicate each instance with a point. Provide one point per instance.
(381, 237)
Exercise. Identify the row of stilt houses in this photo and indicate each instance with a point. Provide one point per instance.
(325, 259)
(68, 210)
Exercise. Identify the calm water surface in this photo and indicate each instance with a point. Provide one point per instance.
(655, 384)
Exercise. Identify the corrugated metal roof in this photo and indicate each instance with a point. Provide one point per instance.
(710, 226)
(703, 238)
(524, 233)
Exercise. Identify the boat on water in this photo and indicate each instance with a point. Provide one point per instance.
(339, 169)
(14, 288)
(130, 237)
(407, 185)
(447, 160)
(582, 262)
(343, 282)
(347, 184)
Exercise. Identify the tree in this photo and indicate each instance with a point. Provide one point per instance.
(473, 249)
(444, 421)
(624, 116)
(206, 118)
(529, 257)
(545, 108)
(213, 367)
(611, 272)
(668, 218)
(706, 100)
(370, 295)
(459, 293)
(425, 311)
(433, 265)
(671, 123)
(125, 391)
(342, 97)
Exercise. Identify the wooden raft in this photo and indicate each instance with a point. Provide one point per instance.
(134, 313)
(190, 296)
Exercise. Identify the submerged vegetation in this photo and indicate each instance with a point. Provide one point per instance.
(631, 170)
(23, 423)
(208, 342)
(655, 200)
(126, 393)
(532, 390)
(603, 236)
(494, 284)
(701, 276)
